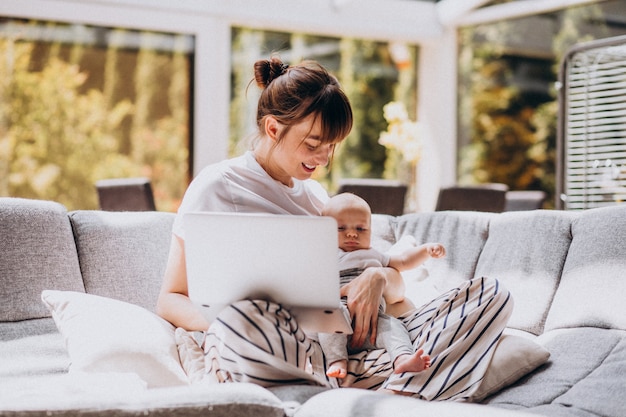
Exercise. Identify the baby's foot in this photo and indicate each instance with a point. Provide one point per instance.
(411, 363)
(338, 369)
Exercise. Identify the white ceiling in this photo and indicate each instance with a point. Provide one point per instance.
(411, 21)
(403, 20)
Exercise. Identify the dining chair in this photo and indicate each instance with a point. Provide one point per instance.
(524, 200)
(125, 194)
(383, 196)
(489, 197)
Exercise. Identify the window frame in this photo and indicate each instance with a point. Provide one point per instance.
(210, 23)
(211, 95)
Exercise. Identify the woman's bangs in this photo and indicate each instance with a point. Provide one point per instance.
(336, 119)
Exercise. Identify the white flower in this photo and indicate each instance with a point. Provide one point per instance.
(395, 111)
(402, 134)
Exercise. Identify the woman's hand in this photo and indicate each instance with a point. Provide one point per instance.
(363, 298)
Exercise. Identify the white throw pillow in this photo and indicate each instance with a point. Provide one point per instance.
(107, 335)
(514, 357)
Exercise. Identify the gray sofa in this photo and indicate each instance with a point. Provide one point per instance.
(78, 335)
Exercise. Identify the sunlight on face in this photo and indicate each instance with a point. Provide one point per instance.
(300, 151)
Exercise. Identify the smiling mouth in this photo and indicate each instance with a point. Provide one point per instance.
(310, 168)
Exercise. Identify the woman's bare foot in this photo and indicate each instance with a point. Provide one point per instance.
(416, 362)
(338, 369)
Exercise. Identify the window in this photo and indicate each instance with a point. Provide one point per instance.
(372, 73)
(507, 95)
(83, 103)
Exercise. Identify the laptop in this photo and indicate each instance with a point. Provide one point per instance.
(291, 260)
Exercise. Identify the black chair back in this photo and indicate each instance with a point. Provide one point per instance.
(383, 196)
(125, 194)
(484, 197)
(524, 200)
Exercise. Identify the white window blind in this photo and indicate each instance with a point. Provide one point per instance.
(594, 125)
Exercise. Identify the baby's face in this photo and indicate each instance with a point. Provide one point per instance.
(353, 229)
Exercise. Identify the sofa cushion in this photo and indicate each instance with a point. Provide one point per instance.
(38, 252)
(514, 357)
(71, 391)
(107, 335)
(575, 354)
(123, 254)
(30, 348)
(293, 396)
(602, 391)
(358, 402)
(526, 251)
(119, 395)
(593, 283)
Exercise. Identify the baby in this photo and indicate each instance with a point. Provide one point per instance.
(353, 216)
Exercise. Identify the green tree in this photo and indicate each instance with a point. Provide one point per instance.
(55, 134)
(512, 140)
(372, 86)
(69, 116)
(502, 132)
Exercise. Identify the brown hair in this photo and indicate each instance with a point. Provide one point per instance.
(291, 93)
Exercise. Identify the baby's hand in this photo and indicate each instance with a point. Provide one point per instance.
(436, 250)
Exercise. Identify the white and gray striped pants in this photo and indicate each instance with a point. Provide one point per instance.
(260, 342)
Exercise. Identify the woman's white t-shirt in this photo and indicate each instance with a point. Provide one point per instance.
(241, 185)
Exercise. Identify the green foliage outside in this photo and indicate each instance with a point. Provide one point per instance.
(512, 139)
(64, 123)
(59, 134)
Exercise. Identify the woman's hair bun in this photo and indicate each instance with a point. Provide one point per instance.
(267, 70)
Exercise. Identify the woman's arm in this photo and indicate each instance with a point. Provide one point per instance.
(174, 304)
(363, 295)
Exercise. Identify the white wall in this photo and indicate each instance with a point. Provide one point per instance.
(437, 97)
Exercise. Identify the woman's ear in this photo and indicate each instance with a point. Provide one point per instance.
(271, 127)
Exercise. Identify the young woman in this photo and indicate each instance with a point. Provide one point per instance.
(302, 115)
